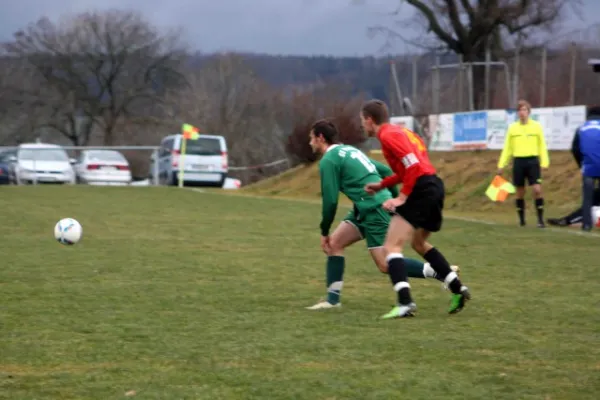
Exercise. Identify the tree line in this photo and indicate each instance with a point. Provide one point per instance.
(112, 78)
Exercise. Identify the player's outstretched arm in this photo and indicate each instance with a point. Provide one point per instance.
(330, 191)
(384, 171)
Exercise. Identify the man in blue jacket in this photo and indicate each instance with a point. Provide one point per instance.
(586, 147)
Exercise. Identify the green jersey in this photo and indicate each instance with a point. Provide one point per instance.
(346, 169)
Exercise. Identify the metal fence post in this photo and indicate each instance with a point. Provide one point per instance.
(34, 169)
(155, 168)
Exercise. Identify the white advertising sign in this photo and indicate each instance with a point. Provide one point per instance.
(561, 123)
(498, 121)
(407, 122)
(441, 132)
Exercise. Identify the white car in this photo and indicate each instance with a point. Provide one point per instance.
(102, 167)
(205, 161)
(42, 163)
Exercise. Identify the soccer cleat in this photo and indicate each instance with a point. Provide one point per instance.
(401, 312)
(453, 268)
(557, 221)
(324, 305)
(458, 300)
(541, 224)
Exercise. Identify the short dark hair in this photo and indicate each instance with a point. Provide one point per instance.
(593, 112)
(377, 110)
(523, 103)
(326, 129)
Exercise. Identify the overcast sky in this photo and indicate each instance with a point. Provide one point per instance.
(335, 27)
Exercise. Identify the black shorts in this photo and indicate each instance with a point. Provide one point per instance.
(526, 168)
(423, 207)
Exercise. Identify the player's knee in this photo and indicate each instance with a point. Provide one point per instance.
(392, 248)
(335, 247)
(382, 266)
(419, 246)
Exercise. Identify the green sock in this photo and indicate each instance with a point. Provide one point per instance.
(414, 268)
(335, 274)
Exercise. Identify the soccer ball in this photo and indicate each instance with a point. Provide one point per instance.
(67, 231)
(596, 216)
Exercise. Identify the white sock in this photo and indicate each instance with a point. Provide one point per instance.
(428, 272)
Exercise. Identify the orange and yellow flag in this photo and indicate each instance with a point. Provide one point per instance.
(499, 189)
(190, 132)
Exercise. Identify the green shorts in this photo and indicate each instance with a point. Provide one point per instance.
(372, 225)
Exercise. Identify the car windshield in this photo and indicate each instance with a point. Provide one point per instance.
(203, 147)
(105, 155)
(43, 154)
(4, 157)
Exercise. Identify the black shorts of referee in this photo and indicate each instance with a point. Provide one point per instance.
(527, 169)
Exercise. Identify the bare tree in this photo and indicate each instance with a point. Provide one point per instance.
(468, 27)
(99, 68)
(332, 101)
(20, 91)
(225, 97)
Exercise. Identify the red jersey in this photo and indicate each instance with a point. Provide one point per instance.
(406, 154)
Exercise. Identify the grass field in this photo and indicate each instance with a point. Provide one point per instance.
(175, 294)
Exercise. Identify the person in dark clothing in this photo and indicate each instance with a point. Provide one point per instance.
(576, 217)
(591, 195)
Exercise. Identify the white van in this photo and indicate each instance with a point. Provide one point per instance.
(206, 161)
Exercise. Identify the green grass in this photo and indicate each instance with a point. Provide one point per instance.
(176, 294)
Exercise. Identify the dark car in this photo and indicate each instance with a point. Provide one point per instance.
(6, 166)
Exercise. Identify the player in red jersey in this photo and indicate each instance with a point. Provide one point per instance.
(417, 211)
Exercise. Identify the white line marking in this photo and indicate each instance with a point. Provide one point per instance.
(453, 217)
(474, 220)
(565, 230)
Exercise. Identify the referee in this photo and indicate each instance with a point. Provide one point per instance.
(526, 143)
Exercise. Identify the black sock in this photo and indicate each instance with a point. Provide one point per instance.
(539, 206)
(442, 268)
(520, 203)
(399, 277)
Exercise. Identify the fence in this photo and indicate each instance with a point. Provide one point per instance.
(550, 74)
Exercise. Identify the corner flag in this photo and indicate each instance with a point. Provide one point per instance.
(499, 189)
(189, 132)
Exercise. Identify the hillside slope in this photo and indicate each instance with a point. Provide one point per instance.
(466, 175)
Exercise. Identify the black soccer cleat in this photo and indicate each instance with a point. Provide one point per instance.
(557, 222)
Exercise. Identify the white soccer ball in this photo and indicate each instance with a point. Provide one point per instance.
(68, 231)
(596, 216)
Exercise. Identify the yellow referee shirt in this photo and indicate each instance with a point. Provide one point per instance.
(524, 140)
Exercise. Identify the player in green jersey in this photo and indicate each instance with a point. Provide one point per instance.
(348, 170)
